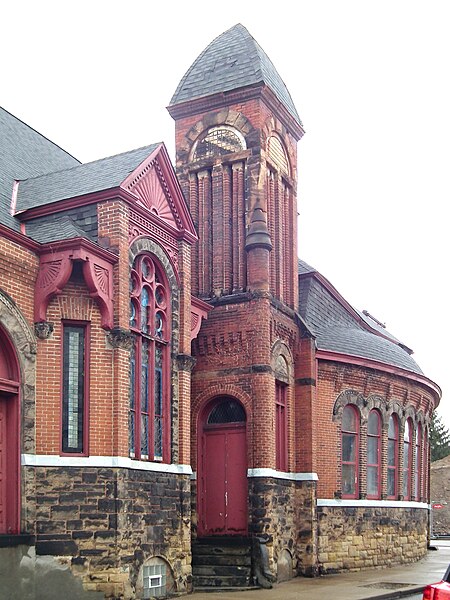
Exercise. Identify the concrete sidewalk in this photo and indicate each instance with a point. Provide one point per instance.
(378, 583)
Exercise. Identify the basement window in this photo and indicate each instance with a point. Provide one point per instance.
(155, 581)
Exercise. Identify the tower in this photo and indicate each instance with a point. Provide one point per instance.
(236, 134)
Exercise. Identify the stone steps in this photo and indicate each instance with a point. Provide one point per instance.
(224, 563)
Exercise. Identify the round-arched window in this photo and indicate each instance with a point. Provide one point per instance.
(219, 141)
(227, 411)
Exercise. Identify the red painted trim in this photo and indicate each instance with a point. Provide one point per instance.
(19, 238)
(357, 448)
(12, 406)
(394, 468)
(380, 366)
(407, 472)
(377, 465)
(55, 269)
(78, 246)
(199, 312)
(86, 388)
(9, 387)
(69, 203)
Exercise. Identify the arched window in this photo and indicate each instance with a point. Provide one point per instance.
(392, 458)
(418, 462)
(149, 418)
(407, 459)
(280, 426)
(277, 154)
(350, 452)
(373, 455)
(219, 141)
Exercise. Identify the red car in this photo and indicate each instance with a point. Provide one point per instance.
(438, 591)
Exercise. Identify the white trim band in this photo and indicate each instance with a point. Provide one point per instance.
(282, 475)
(121, 462)
(372, 503)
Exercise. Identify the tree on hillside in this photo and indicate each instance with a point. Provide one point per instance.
(439, 438)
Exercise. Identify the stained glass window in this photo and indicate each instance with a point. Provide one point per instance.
(149, 427)
(74, 392)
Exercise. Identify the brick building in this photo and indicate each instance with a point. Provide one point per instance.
(176, 386)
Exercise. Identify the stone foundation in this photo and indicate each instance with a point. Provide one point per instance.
(353, 538)
(106, 524)
(282, 512)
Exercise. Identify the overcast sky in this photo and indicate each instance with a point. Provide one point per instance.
(370, 80)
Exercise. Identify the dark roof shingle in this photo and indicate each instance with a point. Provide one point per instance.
(232, 60)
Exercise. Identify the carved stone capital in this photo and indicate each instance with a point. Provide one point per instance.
(43, 329)
(120, 338)
(186, 362)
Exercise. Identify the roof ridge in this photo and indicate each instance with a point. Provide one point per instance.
(92, 162)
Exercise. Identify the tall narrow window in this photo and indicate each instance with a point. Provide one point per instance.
(418, 462)
(392, 462)
(373, 454)
(407, 456)
(74, 399)
(280, 426)
(350, 452)
(149, 414)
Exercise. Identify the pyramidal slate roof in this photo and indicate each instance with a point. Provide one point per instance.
(342, 329)
(81, 179)
(24, 153)
(231, 61)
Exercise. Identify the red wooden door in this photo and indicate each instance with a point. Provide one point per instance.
(9, 439)
(3, 463)
(223, 489)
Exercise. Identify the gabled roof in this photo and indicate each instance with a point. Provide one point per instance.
(231, 61)
(24, 153)
(80, 180)
(341, 329)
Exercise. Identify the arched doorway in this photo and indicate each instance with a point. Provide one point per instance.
(9, 438)
(222, 469)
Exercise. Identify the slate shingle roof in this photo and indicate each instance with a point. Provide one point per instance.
(83, 179)
(233, 60)
(63, 228)
(338, 329)
(24, 153)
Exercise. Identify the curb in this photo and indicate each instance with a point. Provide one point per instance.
(398, 594)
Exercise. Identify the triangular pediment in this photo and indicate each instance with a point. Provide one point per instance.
(154, 185)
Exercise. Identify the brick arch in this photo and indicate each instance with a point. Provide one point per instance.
(215, 391)
(228, 117)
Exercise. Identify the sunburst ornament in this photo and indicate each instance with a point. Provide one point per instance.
(151, 195)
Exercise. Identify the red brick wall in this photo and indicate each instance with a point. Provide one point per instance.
(395, 392)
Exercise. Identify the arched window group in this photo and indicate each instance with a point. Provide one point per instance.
(364, 448)
(149, 425)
